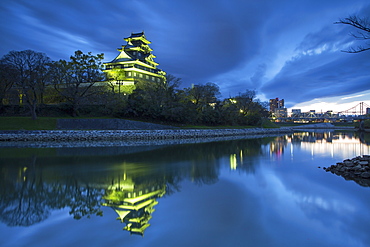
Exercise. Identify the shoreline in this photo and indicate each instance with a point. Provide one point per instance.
(49, 138)
(132, 137)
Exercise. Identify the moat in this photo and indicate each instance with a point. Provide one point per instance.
(259, 192)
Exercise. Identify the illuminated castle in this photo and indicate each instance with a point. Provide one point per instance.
(134, 63)
(133, 203)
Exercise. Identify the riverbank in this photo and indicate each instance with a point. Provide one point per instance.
(135, 136)
(104, 135)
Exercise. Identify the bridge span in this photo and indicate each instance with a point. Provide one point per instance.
(361, 111)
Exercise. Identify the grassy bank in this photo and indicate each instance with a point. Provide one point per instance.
(50, 123)
(26, 123)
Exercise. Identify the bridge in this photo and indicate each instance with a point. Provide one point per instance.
(357, 112)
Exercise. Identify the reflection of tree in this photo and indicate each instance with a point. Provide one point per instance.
(30, 190)
(23, 204)
(28, 199)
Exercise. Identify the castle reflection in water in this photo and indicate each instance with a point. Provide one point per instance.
(36, 182)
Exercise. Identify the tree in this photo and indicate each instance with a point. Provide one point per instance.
(8, 76)
(202, 95)
(31, 68)
(363, 31)
(156, 100)
(244, 109)
(74, 80)
(205, 100)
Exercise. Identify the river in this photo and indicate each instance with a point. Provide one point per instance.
(269, 191)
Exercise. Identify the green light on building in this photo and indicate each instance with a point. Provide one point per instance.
(134, 63)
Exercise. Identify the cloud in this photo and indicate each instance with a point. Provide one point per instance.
(321, 70)
(276, 47)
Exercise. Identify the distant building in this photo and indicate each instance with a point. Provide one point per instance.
(281, 112)
(367, 111)
(276, 103)
(134, 63)
(296, 111)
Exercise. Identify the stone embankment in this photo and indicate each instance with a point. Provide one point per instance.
(122, 135)
(357, 169)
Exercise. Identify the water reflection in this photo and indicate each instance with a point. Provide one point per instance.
(132, 184)
(33, 186)
(350, 144)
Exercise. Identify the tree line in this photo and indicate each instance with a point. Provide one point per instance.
(34, 80)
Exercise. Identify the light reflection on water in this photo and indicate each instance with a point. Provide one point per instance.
(265, 192)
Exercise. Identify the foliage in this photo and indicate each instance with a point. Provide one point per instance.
(74, 80)
(76, 86)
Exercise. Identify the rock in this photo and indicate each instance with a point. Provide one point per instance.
(365, 175)
(356, 169)
(349, 163)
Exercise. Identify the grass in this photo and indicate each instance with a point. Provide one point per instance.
(50, 123)
(26, 123)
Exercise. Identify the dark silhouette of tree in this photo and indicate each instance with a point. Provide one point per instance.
(8, 76)
(74, 80)
(202, 95)
(363, 31)
(31, 68)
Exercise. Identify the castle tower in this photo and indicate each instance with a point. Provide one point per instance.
(135, 62)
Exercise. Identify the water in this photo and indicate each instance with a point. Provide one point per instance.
(257, 192)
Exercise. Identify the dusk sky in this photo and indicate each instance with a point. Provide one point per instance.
(290, 49)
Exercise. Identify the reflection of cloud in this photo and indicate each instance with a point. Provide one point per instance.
(308, 206)
(313, 203)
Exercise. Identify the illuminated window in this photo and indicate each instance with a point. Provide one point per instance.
(141, 75)
(129, 74)
(147, 77)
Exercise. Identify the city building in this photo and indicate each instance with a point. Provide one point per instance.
(276, 103)
(281, 112)
(134, 63)
(277, 109)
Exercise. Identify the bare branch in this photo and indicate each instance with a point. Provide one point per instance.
(363, 25)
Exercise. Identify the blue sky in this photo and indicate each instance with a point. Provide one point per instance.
(281, 48)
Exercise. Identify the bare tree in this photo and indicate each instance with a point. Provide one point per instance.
(363, 31)
(8, 76)
(31, 68)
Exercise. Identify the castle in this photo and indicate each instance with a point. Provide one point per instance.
(134, 63)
